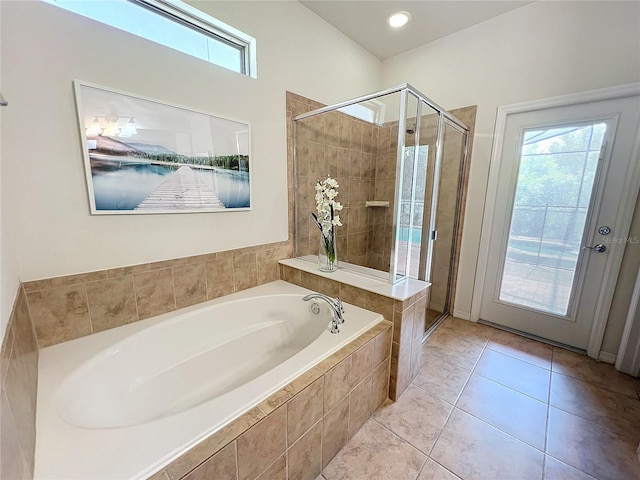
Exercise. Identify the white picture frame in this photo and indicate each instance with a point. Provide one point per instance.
(144, 156)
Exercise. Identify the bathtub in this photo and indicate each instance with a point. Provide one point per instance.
(123, 403)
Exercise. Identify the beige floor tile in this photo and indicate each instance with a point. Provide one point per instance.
(556, 470)
(587, 369)
(440, 377)
(416, 417)
(474, 450)
(512, 412)
(516, 374)
(522, 348)
(466, 327)
(604, 407)
(591, 448)
(460, 350)
(434, 471)
(375, 453)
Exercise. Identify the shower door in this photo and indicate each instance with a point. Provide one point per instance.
(445, 190)
(561, 185)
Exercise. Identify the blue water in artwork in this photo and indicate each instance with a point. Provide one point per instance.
(123, 187)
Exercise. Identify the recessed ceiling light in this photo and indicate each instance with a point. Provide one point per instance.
(398, 19)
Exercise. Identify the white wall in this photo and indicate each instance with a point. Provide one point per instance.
(542, 50)
(45, 210)
(8, 266)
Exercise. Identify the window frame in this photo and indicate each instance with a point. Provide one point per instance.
(198, 21)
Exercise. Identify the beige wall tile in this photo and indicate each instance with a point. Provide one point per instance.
(154, 292)
(291, 275)
(379, 304)
(212, 444)
(327, 287)
(20, 389)
(145, 267)
(112, 303)
(204, 258)
(337, 383)
(380, 384)
(335, 430)
(277, 470)
(267, 265)
(360, 405)
(220, 280)
(5, 352)
(303, 410)
(78, 278)
(36, 285)
(305, 456)
(190, 284)
(161, 475)
(221, 466)
(382, 347)
(363, 360)
(262, 444)
(59, 314)
(403, 329)
(13, 464)
(245, 271)
(353, 295)
(400, 376)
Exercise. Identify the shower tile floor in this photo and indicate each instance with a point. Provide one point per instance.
(491, 405)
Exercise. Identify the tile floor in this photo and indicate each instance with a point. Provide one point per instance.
(491, 405)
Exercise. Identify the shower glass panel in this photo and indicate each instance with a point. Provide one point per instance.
(384, 150)
(407, 257)
(448, 199)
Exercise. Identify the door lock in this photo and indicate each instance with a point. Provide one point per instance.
(597, 248)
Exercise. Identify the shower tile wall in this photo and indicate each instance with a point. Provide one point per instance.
(379, 254)
(344, 148)
(19, 378)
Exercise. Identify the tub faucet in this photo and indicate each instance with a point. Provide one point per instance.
(336, 307)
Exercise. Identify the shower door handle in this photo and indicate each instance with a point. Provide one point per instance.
(599, 248)
(434, 234)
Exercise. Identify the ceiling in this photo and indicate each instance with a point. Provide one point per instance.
(365, 22)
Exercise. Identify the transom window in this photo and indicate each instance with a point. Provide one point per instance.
(176, 25)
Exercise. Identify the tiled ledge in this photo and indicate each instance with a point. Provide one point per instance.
(400, 291)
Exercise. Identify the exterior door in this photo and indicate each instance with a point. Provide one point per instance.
(561, 184)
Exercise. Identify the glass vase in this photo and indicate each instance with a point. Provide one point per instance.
(328, 253)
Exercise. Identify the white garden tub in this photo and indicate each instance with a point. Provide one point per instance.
(123, 403)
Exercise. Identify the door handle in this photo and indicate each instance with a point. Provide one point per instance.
(599, 248)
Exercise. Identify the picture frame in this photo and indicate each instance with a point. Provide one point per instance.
(145, 156)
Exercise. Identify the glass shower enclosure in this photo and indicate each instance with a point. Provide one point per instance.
(400, 161)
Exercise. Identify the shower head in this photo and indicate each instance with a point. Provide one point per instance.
(411, 130)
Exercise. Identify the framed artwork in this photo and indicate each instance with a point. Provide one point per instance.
(143, 156)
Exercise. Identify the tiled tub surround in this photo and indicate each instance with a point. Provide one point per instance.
(19, 372)
(73, 306)
(313, 415)
(408, 314)
(297, 431)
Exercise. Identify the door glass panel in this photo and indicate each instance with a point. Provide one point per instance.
(555, 182)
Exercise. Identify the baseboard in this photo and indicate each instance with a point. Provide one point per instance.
(607, 357)
(461, 314)
(436, 306)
